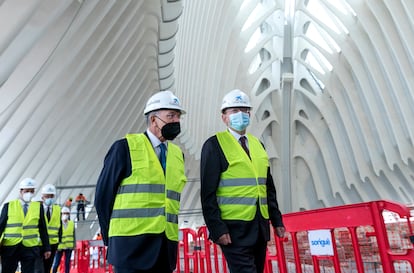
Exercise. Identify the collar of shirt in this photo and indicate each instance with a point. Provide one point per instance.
(156, 142)
(237, 135)
(45, 207)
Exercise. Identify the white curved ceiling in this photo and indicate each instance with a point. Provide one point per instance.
(331, 83)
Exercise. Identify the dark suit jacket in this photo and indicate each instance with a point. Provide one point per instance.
(243, 233)
(137, 252)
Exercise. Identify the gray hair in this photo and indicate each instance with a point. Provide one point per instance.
(149, 115)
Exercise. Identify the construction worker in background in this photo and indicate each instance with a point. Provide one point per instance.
(52, 216)
(81, 201)
(238, 195)
(138, 192)
(68, 202)
(23, 227)
(67, 243)
(98, 236)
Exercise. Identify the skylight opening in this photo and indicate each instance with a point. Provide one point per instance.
(258, 10)
(339, 5)
(255, 64)
(318, 81)
(254, 40)
(341, 25)
(320, 63)
(315, 36)
(325, 41)
(348, 7)
(312, 61)
(318, 10)
(326, 63)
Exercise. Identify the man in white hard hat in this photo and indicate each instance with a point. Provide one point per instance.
(24, 231)
(52, 216)
(238, 195)
(138, 192)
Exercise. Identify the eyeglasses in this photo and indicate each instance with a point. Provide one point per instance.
(238, 109)
(170, 115)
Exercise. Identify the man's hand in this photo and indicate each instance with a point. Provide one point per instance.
(280, 231)
(47, 254)
(224, 239)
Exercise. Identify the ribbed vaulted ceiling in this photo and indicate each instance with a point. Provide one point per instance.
(331, 82)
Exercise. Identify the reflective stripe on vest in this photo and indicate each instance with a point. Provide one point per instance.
(68, 240)
(20, 228)
(243, 184)
(147, 202)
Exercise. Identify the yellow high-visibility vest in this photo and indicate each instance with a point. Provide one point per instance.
(148, 201)
(243, 184)
(68, 240)
(21, 228)
(53, 225)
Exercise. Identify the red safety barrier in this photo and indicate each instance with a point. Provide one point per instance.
(361, 241)
(211, 256)
(98, 262)
(61, 267)
(190, 249)
(275, 253)
(89, 257)
(367, 245)
(180, 254)
(82, 261)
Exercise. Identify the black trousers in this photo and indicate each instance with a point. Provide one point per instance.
(11, 255)
(81, 210)
(162, 265)
(245, 259)
(47, 263)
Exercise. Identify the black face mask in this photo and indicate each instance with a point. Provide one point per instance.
(171, 130)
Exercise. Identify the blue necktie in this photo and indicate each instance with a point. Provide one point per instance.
(25, 208)
(162, 155)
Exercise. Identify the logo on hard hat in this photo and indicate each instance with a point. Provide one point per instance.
(239, 99)
(175, 101)
(30, 183)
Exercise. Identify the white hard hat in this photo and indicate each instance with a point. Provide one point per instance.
(27, 183)
(65, 210)
(163, 100)
(49, 189)
(235, 98)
